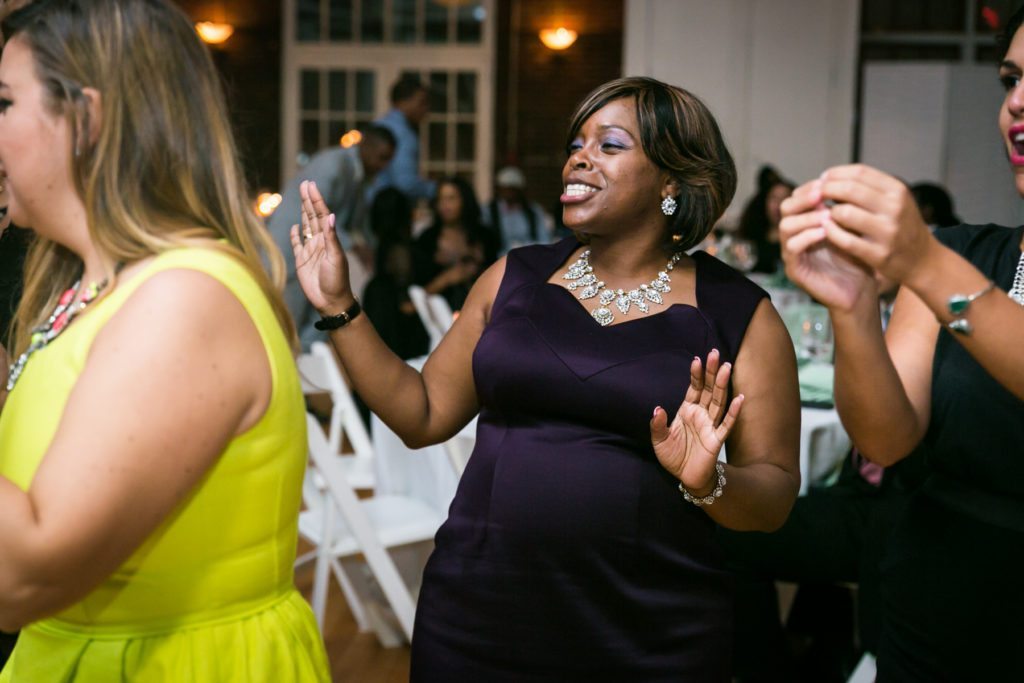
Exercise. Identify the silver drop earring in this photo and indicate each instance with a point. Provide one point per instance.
(668, 205)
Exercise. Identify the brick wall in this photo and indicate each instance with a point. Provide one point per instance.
(537, 88)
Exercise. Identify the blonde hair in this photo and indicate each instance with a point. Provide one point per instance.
(163, 168)
(679, 135)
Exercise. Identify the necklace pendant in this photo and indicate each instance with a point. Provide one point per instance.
(603, 316)
(622, 302)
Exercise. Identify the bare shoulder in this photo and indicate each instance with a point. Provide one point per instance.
(187, 331)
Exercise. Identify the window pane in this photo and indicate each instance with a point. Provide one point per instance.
(307, 20)
(310, 136)
(373, 21)
(364, 91)
(991, 15)
(337, 93)
(468, 23)
(435, 28)
(335, 129)
(362, 123)
(403, 21)
(310, 90)
(437, 141)
(465, 142)
(438, 92)
(883, 52)
(340, 20)
(885, 16)
(465, 92)
(987, 54)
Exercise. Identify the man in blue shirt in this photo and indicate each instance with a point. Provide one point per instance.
(410, 103)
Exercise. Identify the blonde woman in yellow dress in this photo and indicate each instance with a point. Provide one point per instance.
(152, 442)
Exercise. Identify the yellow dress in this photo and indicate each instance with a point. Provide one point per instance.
(209, 596)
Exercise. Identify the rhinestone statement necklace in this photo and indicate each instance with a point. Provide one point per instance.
(582, 275)
(1017, 290)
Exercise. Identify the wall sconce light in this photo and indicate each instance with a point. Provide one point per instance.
(557, 38)
(214, 33)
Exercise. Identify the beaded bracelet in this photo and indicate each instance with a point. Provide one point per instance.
(710, 498)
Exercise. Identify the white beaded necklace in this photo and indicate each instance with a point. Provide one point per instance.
(1017, 290)
(582, 275)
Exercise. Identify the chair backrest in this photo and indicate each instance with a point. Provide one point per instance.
(441, 311)
(435, 328)
(358, 524)
(320, 372)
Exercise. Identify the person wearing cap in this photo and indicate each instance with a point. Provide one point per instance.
(514, 219)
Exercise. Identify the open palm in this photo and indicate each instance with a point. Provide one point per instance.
(688, 447)
(320, 263)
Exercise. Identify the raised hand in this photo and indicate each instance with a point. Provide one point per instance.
(819, 267)
(320, 263)
(688, 447)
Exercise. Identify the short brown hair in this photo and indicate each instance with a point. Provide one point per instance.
(679, 134)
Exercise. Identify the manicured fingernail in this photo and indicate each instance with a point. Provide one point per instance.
(656, 408)
(330, 220)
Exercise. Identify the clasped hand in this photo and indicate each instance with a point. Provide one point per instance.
(688, 447)
(872, 232)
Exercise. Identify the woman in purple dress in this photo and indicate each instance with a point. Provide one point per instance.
(608, 375)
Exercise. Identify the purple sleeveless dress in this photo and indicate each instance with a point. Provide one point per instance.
(569, 553)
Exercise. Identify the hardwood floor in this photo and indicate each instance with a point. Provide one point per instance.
(355, 657)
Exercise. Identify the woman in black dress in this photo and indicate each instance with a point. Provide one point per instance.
(451, 254)
(581, 542)
(949, 371)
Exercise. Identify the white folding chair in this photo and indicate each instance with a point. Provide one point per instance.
(440, 311)
(436, 327)
(342, 525)
(865, 671)
(320, 373)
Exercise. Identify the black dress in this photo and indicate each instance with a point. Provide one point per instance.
(953, 580)
(569, 553)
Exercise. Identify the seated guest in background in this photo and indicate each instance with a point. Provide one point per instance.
(152, 443)
(948, 373)
(410, 104)
(344, 174)
(759, 222)
(450, 254)
(386, 298)
(935, 205)
(515, 220)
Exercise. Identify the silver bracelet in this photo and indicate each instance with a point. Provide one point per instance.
(958, 304)
(710, 498)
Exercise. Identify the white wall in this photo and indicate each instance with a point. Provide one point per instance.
(778, 76)
(938, 123)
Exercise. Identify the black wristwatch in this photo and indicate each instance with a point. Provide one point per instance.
(334, 322)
